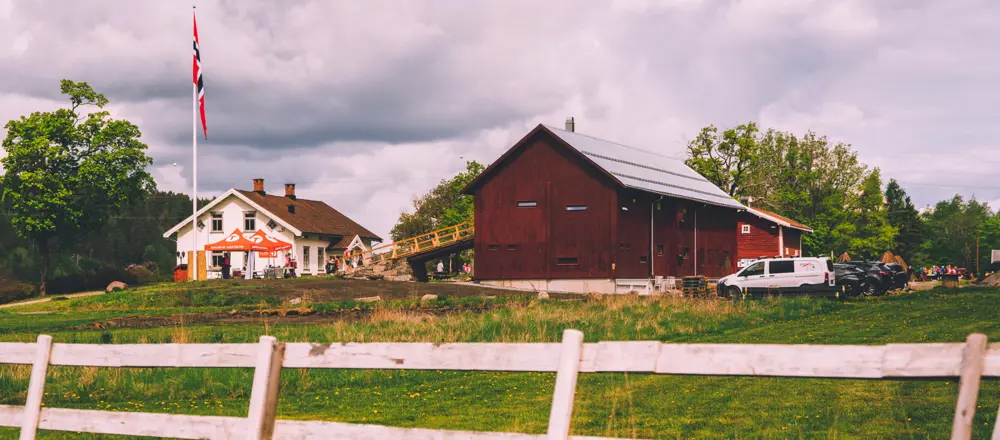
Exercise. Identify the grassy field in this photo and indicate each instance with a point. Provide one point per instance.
(643, 406)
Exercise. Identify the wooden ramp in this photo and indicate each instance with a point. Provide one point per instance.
(444, 240)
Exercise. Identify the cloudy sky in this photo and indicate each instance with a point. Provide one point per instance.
(367, 104)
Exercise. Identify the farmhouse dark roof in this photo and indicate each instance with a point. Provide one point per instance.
(630, 167)
(310, 216)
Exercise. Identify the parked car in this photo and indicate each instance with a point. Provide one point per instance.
(900, 278)
(878, 278)
(851, 279)
(801, 275)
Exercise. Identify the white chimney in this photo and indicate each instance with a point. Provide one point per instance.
(570, 125)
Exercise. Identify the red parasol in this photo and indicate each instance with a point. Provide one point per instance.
(235, 242)
(271, 244)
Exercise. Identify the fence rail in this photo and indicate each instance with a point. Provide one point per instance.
(970, 361)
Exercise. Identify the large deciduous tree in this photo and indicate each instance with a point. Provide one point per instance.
(873, 234)
(732, 160)
(903, 215)
(65, 173)
(443, 206)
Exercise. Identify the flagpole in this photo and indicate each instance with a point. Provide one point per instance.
(194, 178)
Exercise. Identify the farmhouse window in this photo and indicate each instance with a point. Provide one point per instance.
(576, 207)
(511, 247)
(217, 258)
(494, 247)
(527, 204)
(249, 221)
(659, 250)
(319, 259)
(271, 225)
(566, 261)
(216, 222)
(305, 258)
(745, 229)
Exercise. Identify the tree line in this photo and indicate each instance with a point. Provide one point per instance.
(824, 185)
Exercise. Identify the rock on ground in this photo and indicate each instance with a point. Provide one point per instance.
(115, 286)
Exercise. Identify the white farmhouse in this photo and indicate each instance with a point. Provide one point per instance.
(315, 229)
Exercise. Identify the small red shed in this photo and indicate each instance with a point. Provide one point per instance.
(766, 234)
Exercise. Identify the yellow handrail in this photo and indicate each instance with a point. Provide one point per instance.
(421, 243)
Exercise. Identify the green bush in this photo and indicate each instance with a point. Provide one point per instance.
(10, 292)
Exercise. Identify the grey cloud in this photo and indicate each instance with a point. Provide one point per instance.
(382, 94)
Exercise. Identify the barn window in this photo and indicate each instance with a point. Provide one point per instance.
(745, 229)
(511, 247)
(566, 261)
(527, 204)
(659, 250)
(494, 247)
(642, 258)
(576, 207)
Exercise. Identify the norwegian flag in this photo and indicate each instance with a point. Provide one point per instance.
(198, 81)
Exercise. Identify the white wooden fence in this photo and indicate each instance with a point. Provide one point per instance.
(969, 361)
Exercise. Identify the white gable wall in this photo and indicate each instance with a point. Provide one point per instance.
(232, 209)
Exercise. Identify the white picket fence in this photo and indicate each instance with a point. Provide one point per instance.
(970, 361)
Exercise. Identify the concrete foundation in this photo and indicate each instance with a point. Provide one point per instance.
(587, 285)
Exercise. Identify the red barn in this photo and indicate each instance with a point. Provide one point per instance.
(562, 211)
(766, 234)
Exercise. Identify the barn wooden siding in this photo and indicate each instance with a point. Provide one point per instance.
(547, 241)
(762, 241)
(544, 241)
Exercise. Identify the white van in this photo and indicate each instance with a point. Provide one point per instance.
(781, 276)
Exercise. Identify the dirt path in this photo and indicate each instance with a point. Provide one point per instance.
(47, 299)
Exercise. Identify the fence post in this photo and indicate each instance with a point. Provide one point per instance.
(996, 427)
(36, 388)
(264, 395)
(561, 416)
(973, 358)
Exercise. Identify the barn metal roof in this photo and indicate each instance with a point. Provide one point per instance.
(647, 171)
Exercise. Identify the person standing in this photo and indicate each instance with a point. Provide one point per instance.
(226, 266)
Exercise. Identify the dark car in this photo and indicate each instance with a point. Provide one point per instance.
(900, 279)
(878, 278)
(851, 279)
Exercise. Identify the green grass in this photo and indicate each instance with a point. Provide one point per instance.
(624, 405)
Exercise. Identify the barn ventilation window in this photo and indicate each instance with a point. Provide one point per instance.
(659, 250)
(576, 207)
(642, 259)
(745, 229)
(527, 204)
(566, 261)
(494, 247)
(511, 247)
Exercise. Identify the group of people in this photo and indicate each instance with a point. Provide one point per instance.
(925, 273)
(334, 265)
